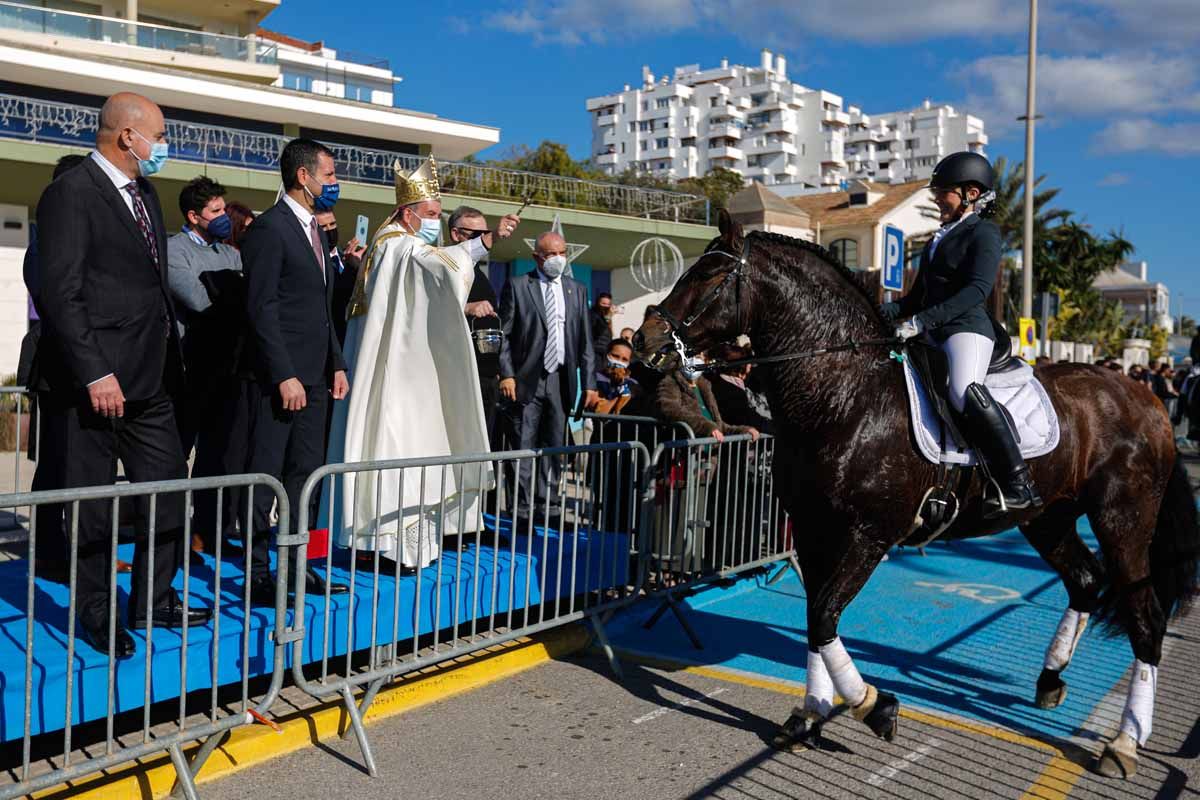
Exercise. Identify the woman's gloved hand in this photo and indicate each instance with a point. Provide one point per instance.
(909, 329)
(890, 311)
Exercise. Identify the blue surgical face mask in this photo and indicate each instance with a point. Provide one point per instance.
(327, 199)
(158, 156)
(219, 228)
(430, 229)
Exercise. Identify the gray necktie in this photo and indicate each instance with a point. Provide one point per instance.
(551, 359)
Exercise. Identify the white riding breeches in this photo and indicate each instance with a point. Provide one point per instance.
(969, 355)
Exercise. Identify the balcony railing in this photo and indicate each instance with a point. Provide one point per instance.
(110, 30)
(62, 123)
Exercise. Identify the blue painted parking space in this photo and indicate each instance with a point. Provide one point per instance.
(962, 629)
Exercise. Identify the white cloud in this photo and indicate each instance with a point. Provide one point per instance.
(1082, 86)
(1114, 179)
(779, 23)
(1148, 136)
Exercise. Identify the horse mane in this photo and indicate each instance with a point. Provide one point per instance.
(829, 259)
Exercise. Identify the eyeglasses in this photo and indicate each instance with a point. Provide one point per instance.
(471, 233)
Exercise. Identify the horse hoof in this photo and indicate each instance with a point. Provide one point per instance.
(884, 718)
(1119, 759)
(801, 732)
(1051, 690)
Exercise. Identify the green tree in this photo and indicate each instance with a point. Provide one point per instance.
(1187, 326)
(718, 185)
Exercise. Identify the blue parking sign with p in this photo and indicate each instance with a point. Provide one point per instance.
(892, 274)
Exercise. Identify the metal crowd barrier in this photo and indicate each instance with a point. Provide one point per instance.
(19, 401)
(513, 560)
(715, 516)
(606, 428)
(204, 712)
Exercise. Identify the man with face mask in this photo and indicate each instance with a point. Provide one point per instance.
(205, 328)
(205, 276)
(292, 353)
(110, 356)
(546, 359)
(410, 352)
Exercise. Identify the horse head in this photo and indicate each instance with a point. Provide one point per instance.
(704, 307)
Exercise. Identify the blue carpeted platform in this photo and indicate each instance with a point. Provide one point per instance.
(963, 629)
(475, 584)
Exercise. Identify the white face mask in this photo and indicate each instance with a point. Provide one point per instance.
(554, 266)
(430, 229)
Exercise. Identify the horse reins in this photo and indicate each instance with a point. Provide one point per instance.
(679, 328)
(851, 346)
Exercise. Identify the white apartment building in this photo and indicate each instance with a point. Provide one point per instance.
(320, 69)
(756, 121)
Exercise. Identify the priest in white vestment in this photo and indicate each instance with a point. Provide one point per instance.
(416, 388)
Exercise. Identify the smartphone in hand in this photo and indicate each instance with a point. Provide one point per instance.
(361, 230)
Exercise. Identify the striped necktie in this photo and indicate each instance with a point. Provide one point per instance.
(143, 220)
(551, 360)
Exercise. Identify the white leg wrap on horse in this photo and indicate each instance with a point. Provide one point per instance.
(843, 673)
(818, 696)
(1066, 639)
(1139, 705)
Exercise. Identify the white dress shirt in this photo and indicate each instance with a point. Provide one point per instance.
(119, 179)
(555, 288)
(942, 231)
(303, 214)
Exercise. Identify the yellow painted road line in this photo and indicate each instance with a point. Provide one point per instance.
(1054, 782)
(255, 744)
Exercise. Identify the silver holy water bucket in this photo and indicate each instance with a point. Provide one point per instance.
(487, 340)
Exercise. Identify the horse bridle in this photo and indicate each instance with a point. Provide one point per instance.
(678, 329)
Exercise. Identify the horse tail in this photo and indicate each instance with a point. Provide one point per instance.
(1174, 557)
(1175, 548)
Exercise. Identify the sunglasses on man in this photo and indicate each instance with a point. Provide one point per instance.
(471, 233)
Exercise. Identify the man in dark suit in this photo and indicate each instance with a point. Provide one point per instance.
(547, 344)
(293, 350)
(468, 223)
(110, 357)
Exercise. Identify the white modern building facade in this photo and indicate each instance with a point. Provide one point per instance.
(758, 122)
(1146, 303)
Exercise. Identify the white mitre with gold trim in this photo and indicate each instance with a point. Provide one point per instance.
(420, 184)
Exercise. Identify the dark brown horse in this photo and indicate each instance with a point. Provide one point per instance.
(849, 468)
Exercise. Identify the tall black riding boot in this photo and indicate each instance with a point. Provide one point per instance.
(994, 441)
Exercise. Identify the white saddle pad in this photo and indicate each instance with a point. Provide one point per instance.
(1018, 391)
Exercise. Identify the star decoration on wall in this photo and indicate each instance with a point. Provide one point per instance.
(574, 251)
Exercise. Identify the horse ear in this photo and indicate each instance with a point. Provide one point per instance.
(731, 232)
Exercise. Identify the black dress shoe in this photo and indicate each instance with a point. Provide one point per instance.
(262, 591)
(93, 629)
(315, 584)
(172, 615)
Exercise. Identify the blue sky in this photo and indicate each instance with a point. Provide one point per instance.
(1119, 80)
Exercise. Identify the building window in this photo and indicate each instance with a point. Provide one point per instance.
(847, 252)
(662, 144)
(645, 125)
(645, 105)
(301, 83)
(622, 148)
(781, 177)
(715, 101)
(358, 91)
(662, 102)
(645, 145)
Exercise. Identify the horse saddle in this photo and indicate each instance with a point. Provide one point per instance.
(1011, 382)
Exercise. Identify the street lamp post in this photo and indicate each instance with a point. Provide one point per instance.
(1030, 105)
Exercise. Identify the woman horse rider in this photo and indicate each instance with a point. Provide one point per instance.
(947, 304)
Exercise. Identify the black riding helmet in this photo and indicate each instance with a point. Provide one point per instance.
(962, 169)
